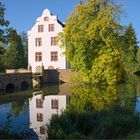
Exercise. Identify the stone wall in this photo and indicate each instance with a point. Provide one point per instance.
(57, 75)
(17, 71)
(65, 75)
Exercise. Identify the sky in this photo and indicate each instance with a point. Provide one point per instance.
(22, 14)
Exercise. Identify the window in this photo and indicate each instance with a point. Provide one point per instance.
(51, 27)
(39, 103)
(46, 18)
(38, 42)
(54, 104)
(40, 28)
(54, 56)
(39, 117)
(38, 56)
(53, 41)
(42, 130)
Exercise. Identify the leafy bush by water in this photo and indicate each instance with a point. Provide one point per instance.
(117, 123)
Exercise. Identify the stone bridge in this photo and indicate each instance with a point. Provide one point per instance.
(15, 80)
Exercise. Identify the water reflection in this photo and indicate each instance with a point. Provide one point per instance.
(98, 112)
(42, 109)
(90, 98)
(14, 120)
(27, 114)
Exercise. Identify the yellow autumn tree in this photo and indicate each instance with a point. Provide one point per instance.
(93, 38)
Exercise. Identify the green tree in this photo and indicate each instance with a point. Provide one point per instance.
(138, 58)
(3, 35)
(15, 52)
(3, 23)
(2, 56)
(24, 40)
(92, 31)
(130, 48)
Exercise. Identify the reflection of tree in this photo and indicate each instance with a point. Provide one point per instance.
(19, 106)
(7, 133)
(127, 95)
(87, 98)
(91, 98)
(97, 112)
(8, 122)
(25, 107)
(5, 130)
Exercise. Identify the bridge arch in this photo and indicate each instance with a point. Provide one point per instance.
(24, 85)
(10, 87)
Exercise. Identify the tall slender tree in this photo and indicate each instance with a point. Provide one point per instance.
(24, 40)
(3, 23)
(3, 35)
(15, 52)
(131, 48)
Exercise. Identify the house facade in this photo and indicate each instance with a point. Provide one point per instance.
(43, 49)
(42, 109)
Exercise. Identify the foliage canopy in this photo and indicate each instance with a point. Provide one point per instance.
(95, 41)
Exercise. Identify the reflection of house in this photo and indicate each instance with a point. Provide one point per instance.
(42, 109)
(43, 48)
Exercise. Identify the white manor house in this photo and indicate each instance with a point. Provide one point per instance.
(43, 49)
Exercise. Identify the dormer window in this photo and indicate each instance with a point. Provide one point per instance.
(46, 18)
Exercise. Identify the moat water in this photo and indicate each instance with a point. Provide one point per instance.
(24, 114)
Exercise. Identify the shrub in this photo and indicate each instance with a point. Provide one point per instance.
(117, 123)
